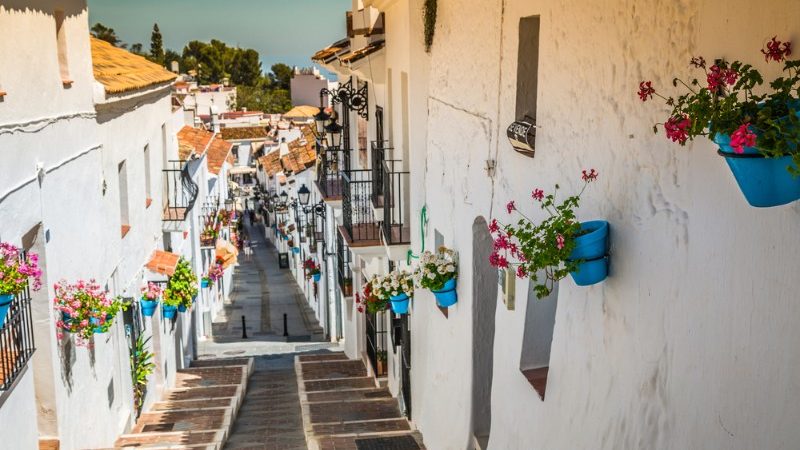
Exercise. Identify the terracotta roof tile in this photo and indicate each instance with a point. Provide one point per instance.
(329, 53)
(121, 71)
(271, 163)
(244, 133)
(163, 262)
(362, 52)
(193, 140)
(217, 154)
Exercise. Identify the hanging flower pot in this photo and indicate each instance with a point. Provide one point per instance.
(169, 311)
(148, 307)
(399, 303)
(757, 128)
(182, 308)
(85, 309)
(316, 277)
(295, 250)
(438, 272)
(5, 305)
(204, 283)
(447, 296)
(591, 248)
(98, 328)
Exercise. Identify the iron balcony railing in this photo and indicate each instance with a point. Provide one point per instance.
(343, 258)
(395, 224)
(333, 162)
(180, 192)
(16, 340)
(357, 213)
(380, 152)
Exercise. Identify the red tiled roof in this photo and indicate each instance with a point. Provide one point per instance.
(237, 114)
(362, 52)
(193, 140)
(271, 163)
(217, 154)
(236, 133)
(329, 53)
(163, 262)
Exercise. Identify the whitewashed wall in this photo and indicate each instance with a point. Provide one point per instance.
(686, 345)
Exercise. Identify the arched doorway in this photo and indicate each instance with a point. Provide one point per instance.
(484, 305)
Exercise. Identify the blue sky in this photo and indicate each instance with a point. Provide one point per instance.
(287, 31)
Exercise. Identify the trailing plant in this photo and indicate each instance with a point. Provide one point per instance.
(215, 272)
(16, 270)
(182, 286)
(543, 247)
(142, 367)
(84, 308)
(369, 302)
(726, 103)
(436, 269)
(429, 18)
(392, 284)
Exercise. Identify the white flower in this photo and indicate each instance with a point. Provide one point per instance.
(394, 293)
(431, 275)
(451, 268)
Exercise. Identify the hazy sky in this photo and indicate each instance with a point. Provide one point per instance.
(287, 31)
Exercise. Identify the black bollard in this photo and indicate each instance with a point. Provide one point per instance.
(285, 330)
(244, 329)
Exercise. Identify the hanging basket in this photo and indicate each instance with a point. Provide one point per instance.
(5, 305)
(447, 295)
(592, 248)
(399, 304)
(148, 307)
(169, 312)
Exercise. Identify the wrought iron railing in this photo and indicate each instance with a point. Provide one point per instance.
(180, 192)
(16, 340)
(380, 152)
(343, 258)
(395, 224)
(357, 215)
(376, 339)
(333, 162)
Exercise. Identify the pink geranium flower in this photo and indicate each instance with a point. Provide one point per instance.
(646, 90)
(742, 138)
(537, 194)
(560, 241)
(776, 50)
(677, 129)
(510, 206)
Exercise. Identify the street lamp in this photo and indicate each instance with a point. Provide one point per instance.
(321, 118)
(284, 197)
(229, 205)
(335, 131)
(304, 195)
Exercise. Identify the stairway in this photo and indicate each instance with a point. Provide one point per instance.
(343, 409)
(198, 412)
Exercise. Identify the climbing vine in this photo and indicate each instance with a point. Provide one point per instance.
(429, 15)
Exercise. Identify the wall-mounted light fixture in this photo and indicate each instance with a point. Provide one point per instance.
(522, 135)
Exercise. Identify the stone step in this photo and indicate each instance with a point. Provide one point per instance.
(194, 404)
(211, 376)
(349, 442)
(361, 427)
(348, 395)
(329, 370)
(180, 439)
(333, 356)
(353, 411)
(196, 420)
(339, 384)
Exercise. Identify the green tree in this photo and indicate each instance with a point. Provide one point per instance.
(136, 48)
(210, 66)
(107, 34)
(281, 75)
(156, 45)
(170, 56)
(245, 68)
(280, 101)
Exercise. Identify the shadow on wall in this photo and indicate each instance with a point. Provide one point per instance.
(484, 307)
(67, 357)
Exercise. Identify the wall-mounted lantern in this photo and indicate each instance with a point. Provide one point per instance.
(522, 135)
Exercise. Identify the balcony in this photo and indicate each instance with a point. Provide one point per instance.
(16, 341)
(180, 192)
(380, 152)
(329, 176)
(360, 229)
(396, 195)
(343, 258)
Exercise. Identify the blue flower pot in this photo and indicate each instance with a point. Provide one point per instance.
(285, 237)
(317, 277)
(447, 295)
(5, 305)
(148, 307)
(182, 308)
(591, 247)
(765, 182)
(204, 283)
(295, 250)
(399, 304)
(169, 312)
(591, 272)
(97, 329)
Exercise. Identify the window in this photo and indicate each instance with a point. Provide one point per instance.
(61, 40)
(122, 176)
(147, 189)
(527, 67)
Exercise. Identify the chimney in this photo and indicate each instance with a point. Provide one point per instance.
(174, 66)
(214, 117)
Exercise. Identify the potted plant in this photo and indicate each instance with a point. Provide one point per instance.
(757, 134)
(16, 270)
(84, 309)
(397, 287)
(438, 272)
(312, 270)
(208, 236)
(347, 287)
(381, 357)
(557, 246)
(367, 301)
(181, 289)
(149, 300)
(215, 273)
(142, 367)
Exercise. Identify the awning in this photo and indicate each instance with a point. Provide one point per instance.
(163, 262)
(241, 170)
(226, 253)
